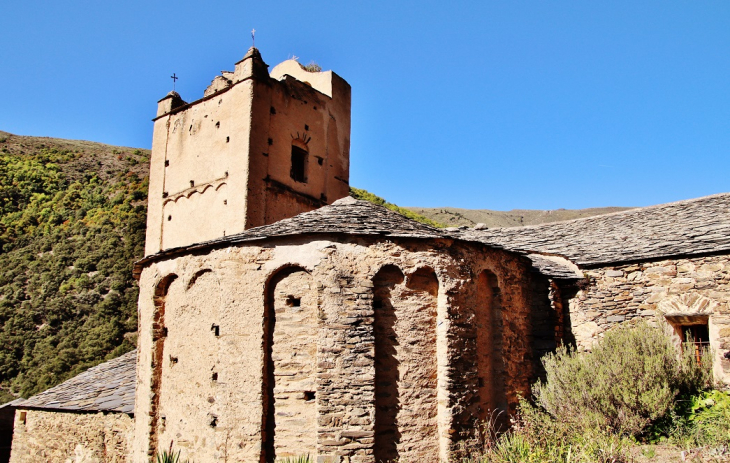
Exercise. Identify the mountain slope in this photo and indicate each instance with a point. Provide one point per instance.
(72, 221)
(454, 217)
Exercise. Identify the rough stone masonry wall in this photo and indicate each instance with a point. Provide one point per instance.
(628, 293)
(230, 315)
(49, 437)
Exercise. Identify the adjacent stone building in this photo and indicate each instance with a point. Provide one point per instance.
(88, 418)
(666, 263)
(279, 317)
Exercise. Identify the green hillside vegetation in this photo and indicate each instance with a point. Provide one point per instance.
(367, 196)
(72, 221)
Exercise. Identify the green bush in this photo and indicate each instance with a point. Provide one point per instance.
(365, 195)
(536, 437)
(630, 379)
(593, 405)
(697, 420)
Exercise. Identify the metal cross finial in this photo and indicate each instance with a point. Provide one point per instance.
(253, 37)
(174, 78)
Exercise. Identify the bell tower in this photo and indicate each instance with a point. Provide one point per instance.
(259, 147)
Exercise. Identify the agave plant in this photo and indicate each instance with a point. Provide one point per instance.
(299, 459)
(170, 456)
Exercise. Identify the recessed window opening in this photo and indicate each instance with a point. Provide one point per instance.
(309, 395)
(298, 164)
(693, 331)
(216, 330)
(292, 301)
(695, 337)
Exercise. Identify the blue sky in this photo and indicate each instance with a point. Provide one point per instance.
(491, 104)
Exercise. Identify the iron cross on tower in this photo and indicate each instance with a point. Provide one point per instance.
(174, 78)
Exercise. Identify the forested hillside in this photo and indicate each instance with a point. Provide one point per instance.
(72, 220)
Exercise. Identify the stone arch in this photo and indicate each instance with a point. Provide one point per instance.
(289, 414)
(159, 333)
(197, 337)
(688, 320)
(195, 277)
(490, 354)
(687, 304)
(406, 399)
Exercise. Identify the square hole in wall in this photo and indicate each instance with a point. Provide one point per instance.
(292, 301)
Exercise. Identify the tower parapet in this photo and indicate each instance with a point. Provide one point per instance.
(256, 149)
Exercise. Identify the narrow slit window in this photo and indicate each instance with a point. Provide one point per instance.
(299, 164)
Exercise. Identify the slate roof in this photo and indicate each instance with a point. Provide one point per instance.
(555, 267)
(347, 215)
(694, 226)
(105, 387)
(683, 228)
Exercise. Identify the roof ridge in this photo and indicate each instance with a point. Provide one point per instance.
(632, 210)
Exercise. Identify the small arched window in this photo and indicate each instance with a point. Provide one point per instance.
(299, 161)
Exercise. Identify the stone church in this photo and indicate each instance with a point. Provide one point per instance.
(280, 317)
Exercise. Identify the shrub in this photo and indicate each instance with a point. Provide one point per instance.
(537, 437)
(630, 379)
(365, 195)
(697, 420)
(311, 67)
